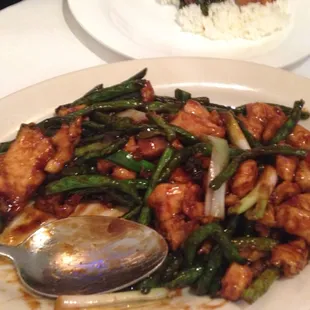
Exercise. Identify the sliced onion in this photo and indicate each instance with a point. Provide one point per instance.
(135, 115)
(234, 131)
(101, 300)
(215, 200)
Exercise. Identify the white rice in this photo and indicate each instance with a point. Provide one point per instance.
(227, 21)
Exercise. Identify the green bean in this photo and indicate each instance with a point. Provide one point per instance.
(290, 124)
(186, 277)
(166, 99)
(205, 101)
(137, 183)
(251, 139)
(109, 195)
(95, 138)
(4, 146)
(216, 284)
(90, 148)
(55, 122)
(182, 95)
(127, 161)
(113, 122)
(109, 149)
(90, 181)
(186, 137)
(232, 167)
(150, 282)
(138, 76)
(163, 107)
(182, 156)
(113, 106)
(214, 262)
(173, 267)
(261, 285)
(150, 133)
(78, 170)
(161, 123)
(258, 243)
(93, 90)
(109, 93)
(155, 279)
(131, 215)
(216, 232)
(94, 126)
(145, 215)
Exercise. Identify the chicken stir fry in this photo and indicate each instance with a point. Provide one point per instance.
(228, 188)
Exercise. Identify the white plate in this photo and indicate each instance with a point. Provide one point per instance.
(143, 29)
(224, 81)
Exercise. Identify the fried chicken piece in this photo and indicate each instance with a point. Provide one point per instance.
(179, 175)
(262, 230)
(284, 191)
(197, 120)
(171, 202)
(131, 146)
(294, 216)
(269, 218)
(57, 205)
(65, 110)
(65, 140)
(292, 257)
(176, 230)
(272, 126)
(258, 267)
(245, 178)
(177, 144)
(262, 120)
(252, 255)
(104, 166)
(286, 167)
(236, 279)
(23, 167)
(152, 147)
(231, 200)
(253, 125)
(299, 138)
(121, 173)
(147, 92)
(216, 118)
(302, 177)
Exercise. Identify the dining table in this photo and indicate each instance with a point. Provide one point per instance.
(40, 39)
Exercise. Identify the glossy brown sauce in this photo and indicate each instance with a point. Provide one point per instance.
(32, 302)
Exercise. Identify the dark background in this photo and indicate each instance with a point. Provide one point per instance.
(5, 3)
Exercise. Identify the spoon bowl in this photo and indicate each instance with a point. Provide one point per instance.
(86, 255)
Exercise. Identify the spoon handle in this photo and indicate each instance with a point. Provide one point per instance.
(8, 251)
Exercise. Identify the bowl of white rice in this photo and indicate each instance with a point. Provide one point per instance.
(228, 21)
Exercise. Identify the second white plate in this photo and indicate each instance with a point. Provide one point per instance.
(144, 29)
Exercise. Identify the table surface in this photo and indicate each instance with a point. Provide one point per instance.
(41, 40)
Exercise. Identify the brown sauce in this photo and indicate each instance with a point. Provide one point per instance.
(32, 302)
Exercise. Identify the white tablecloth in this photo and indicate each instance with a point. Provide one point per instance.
(39, 40)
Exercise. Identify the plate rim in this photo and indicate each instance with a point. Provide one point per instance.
(137, 54)
(160, 59)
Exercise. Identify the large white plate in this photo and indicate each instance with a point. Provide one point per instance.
(224, 81)
(143, 29)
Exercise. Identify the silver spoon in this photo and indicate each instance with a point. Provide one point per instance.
(86, 255)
